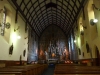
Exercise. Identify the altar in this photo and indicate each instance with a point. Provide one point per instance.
(52, 61)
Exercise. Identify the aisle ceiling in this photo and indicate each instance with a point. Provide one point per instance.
(39, 14)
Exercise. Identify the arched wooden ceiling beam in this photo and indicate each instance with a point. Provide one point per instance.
(63, 13)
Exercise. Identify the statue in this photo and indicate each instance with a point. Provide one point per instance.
(11, 49)
(66, 54)
(46, 54)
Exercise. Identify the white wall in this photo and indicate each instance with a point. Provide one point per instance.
(91, 33)
(19, 45)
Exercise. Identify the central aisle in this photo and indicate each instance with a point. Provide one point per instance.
(50, 70)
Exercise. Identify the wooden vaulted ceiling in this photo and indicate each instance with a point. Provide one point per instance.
(39, 14)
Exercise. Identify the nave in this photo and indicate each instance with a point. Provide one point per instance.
(50, 69)
(35, 34)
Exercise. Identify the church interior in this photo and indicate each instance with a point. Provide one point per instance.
(40, 37)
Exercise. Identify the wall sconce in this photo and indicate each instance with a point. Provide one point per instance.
(93, 21)
(74, 41)
(16, 29)
(7, 25)
(18, 37)
(83, 26)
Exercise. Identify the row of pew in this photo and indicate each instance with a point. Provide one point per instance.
(35, 69)
(73, 69)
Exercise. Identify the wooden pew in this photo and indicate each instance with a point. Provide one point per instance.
(30, 69)
(76, 67)
(72, 70)
(10, 73)
(70, 64)
(12, 62)
(23, 71)
(40, 68)
(35, 69)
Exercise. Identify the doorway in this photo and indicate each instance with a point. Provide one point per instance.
(98, 56)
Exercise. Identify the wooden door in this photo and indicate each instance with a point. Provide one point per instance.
(98, 56)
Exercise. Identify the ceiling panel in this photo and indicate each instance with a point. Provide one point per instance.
(42, 13)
